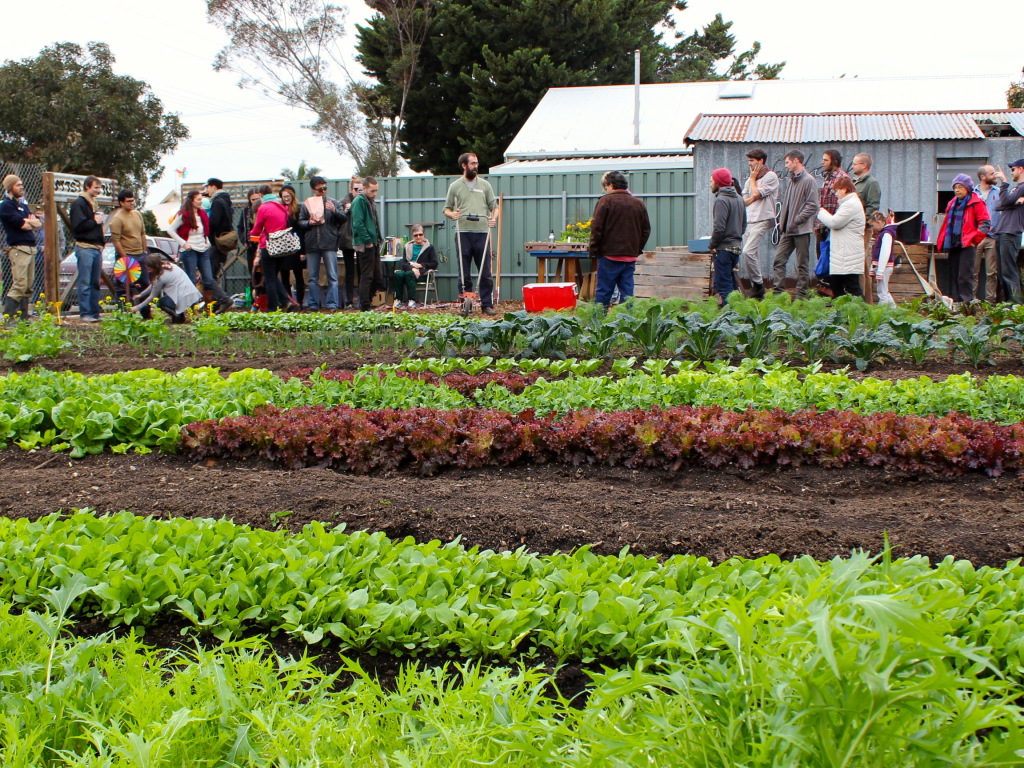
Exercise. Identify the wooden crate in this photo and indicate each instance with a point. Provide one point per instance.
(673, 272)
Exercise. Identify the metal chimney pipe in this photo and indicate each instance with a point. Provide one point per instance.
(636, 97)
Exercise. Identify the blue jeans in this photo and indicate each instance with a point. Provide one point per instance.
(725, 262)
(192, 260)
(330, 260)
(611, 274)
(90, 266)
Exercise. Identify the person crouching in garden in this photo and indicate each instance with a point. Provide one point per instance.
(965, 226)
(420, 258)
(846, 252)
(174, 290)
(729, 221)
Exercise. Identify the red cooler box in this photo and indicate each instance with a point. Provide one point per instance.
(541, 296)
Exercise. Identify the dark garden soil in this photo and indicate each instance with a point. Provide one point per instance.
(719, 514)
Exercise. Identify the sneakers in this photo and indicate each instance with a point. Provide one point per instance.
(90, 319)
(412, 305)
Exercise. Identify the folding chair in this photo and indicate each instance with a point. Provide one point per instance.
(428, 284)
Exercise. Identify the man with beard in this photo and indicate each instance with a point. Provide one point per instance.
(831, 170)
(987, 252)
(366, 239)
(796, 223)
(472, 204)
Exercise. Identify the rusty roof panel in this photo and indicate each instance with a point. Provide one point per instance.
(868, 126)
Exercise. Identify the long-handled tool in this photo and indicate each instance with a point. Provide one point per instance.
(469, 296)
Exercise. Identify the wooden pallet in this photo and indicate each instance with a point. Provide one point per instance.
(673, 272)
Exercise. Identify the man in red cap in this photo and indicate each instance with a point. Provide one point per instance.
(729, 221)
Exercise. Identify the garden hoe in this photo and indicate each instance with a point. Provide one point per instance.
(469, 296)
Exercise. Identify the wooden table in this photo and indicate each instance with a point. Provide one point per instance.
(566, 255)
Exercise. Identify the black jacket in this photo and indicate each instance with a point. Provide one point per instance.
(13, 214)
(427, 259)
(221, 214)
(83, 225)
(730, 219)
(322, 237)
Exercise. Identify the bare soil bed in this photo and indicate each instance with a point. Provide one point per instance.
(719, 514)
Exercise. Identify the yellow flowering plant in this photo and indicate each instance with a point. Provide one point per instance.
(576, 233)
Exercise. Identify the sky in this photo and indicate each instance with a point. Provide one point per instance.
(238, 134)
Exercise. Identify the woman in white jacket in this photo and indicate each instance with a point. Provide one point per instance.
(846, 261)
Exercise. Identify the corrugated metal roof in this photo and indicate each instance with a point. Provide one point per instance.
(811, 128)
(588, 164)
(599, 119)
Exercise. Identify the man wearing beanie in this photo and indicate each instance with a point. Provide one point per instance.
(729, 221)
(796, 222)
(1009, 228)
(19, 225)
(966, 223)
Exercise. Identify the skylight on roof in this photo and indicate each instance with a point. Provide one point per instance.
(736, 89)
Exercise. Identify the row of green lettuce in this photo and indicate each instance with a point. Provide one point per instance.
(365, 592)
(873, 695)
(146, 409)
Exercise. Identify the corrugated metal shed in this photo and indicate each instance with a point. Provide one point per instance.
(593, 120)
(873, 126)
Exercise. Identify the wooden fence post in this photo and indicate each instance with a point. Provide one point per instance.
(51, 246)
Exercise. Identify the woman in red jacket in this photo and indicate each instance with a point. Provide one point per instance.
(271, 216)
(967, 220)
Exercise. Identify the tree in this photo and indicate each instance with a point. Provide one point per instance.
(486, 64)
(1015, 94)
(304, 172)
(149, 222)
(291, 48)
(67, 110)
(700, 55)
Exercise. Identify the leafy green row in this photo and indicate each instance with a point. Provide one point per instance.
(146, 409)
(373, 594)
(788, 698)
(347, 321)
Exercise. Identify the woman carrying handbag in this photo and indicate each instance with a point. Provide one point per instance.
(275, 240)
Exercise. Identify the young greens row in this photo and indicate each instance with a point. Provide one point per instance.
(146, 409)
(76, 703)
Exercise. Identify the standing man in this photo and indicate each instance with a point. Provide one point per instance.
(320, 218)
(831, 170)
(128, 234)
(1010, 228)
(730, 219)
(988, 191)
(800, 208)
(618, 232)
(20, 226)
(366, 240)
(87, 227)
(223, 238)
(348, 293)
(759, 196)
(471, 203)
(870, 193)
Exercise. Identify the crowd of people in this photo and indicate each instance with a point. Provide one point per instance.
(284, 239)
(982, 229)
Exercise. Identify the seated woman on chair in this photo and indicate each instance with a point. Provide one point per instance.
(420, 258)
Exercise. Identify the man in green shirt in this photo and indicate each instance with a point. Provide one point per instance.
(472, 205)
(366, 237)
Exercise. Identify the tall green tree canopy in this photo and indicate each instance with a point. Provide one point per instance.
(486, 63)
(67, 110)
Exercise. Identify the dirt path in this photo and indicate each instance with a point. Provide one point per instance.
(715, 513)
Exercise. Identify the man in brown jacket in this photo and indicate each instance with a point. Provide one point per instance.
(618, 232)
